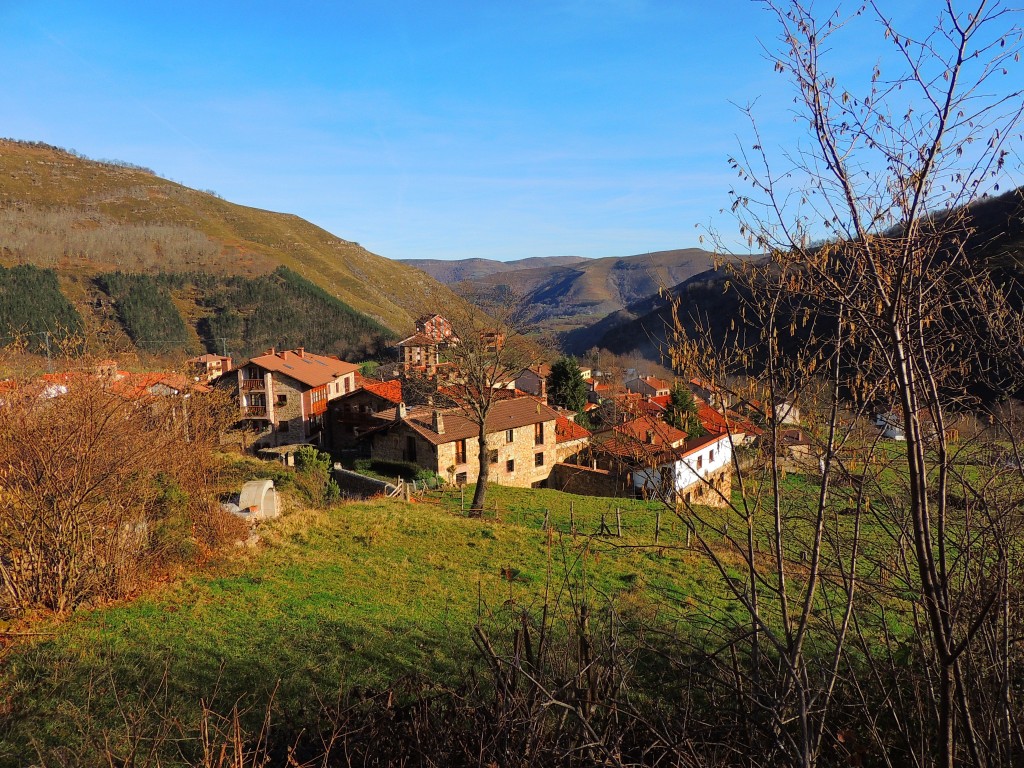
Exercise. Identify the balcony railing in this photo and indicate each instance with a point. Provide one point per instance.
(254, 411)
(248, 384)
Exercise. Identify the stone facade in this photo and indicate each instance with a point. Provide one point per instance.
(587, 481)
(447, 443)
(291, 406)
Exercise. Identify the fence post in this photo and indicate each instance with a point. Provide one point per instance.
(462, 488)
(572, 519)
(546, 518)
(657, 525)
(618, 522)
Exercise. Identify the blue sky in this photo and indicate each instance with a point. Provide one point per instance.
(444, 129)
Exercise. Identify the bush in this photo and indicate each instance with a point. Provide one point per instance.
(313, 476)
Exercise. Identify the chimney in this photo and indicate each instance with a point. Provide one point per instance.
(401, 411)
(271, 351)
(650, 437)
(300, 351)
(438, 422)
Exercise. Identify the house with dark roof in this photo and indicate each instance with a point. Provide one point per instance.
(286, 393)
(351, 415)
(521, 441)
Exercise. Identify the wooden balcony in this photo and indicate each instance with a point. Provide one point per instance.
(250, 384)
(254, 411)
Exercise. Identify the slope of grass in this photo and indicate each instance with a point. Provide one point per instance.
(363, 594)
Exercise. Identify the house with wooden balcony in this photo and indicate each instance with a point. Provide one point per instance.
(286, 393)
(422, 351)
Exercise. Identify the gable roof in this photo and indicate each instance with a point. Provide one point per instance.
(718, 423)
(420, 339)
(388, 390)
(305, 367)
(504, 415)
(567, 430)
(652, 431)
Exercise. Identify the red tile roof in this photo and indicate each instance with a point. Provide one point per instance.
(567, 430)
(307, 368)
(718, 423)
(389, 390)
(647, 429)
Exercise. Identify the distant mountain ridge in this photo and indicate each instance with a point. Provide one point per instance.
(458, 270)
(997, 241)
(564, 293)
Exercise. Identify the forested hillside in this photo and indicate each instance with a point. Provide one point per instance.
(32, 306)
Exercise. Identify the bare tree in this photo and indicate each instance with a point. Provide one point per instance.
(489, 352)
(872, 292)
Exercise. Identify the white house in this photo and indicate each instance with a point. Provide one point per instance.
(698, 472)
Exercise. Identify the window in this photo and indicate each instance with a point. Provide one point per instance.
(711, 455)
(460, 452)
(700, 461)
(282, 400)
(492, 455)
(538, 433)
(510, 436)
(538, 459)
(510, 465)
(460, 479)
(282, 426)
(347, 384)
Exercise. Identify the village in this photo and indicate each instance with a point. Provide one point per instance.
(630, 439)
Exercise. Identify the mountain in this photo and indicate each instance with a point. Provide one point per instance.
(459, 270)
(641, 326)
(564, 293)
(83, 218)
(996, 241)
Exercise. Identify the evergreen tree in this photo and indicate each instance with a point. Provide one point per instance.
(566, 387)
(682, 411)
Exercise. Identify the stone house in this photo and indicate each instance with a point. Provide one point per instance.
(522, 441)
(422, 350)
(286, 393)
(534, 380)
(656, 460)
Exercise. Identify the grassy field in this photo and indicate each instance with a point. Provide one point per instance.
(363, 594)
(384, 595)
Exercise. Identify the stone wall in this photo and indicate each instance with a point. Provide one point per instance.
(585, 481)
(290, 411)
(713, 493)
(355, 484)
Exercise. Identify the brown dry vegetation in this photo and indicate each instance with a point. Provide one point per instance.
(133, 214)
(102, 489)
